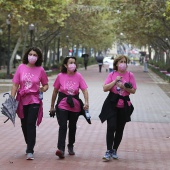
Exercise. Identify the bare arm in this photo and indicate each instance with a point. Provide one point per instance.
(54, 95)
(14, 89)
(44, 88)
(107, 87)
(86, 99)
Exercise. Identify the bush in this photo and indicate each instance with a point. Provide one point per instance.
(161, 65)
(46, 68)
(2, 75)
(168, 70)
(55, 67)
(162, 75)
(61, 59)
(92, 60)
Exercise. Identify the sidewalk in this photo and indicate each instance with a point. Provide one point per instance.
(145, 144)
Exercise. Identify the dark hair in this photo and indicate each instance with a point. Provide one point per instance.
(39, 53)
(117, 59)
(65, 61)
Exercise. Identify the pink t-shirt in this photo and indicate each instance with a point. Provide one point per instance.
(126, 77)
(70, 85)
(30, 79)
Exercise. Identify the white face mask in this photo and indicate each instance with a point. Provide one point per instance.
(71, 67)
(32, 59)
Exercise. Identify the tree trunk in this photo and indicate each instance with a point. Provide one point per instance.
(15, 51)
(168, 58)
(25, 41)
(45, 55)
(88, 51)
(77, 49)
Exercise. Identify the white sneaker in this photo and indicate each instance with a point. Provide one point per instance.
(30, 156)
(107, 156)
(114, 154)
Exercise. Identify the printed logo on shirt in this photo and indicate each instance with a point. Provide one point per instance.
(69, 86)
(27, 77)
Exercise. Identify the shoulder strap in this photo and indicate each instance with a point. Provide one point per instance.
(112, 75)
(129, 76)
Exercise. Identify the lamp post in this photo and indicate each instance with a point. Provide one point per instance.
(8, 22)
(150, 51)
(58, 49)
(67, 37)
(1, 32)
(31, 29)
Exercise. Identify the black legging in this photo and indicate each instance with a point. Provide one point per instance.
(28, 124)
(100, 68)
(115, 127)
(85, 65)
(63, 116)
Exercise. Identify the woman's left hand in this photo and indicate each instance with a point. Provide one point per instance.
(86, 106)
(42, 89)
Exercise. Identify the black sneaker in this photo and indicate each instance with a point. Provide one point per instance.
(60, 154)
(71, 150)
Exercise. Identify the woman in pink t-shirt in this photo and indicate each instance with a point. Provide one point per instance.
(117, 107)
(68, 107)
(27, 82)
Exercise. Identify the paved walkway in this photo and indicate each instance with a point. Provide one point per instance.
(145, 145)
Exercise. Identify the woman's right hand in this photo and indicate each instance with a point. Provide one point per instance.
(52, 112)
(118, 78)
(52, 109)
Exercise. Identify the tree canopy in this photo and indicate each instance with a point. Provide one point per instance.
(90, 23)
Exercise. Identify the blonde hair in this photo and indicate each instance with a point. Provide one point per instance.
(117, 59)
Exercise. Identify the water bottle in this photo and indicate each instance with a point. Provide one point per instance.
(40, 95)
(87, 114)
(118, 88)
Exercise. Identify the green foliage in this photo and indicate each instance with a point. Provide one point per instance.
(161, 65)
(79, 61)
(24, 11)
(168, 69)
(92, 60)
(46, 68)
(90, 24)
(162, 75)
(55, 67)
(2, 75)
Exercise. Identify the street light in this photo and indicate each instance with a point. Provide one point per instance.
(67, 37)
(31, 29)
(58, 49)
(1, 32)
(8, 22)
